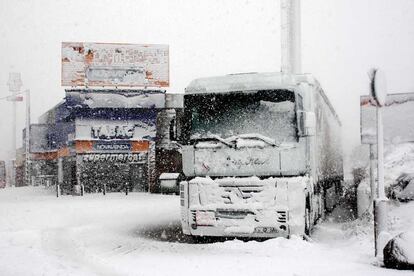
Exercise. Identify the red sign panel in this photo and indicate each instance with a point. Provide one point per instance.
(107, 64)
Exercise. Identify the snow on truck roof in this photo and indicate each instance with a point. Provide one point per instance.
(247, 82)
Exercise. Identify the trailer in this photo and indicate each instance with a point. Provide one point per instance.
(261, 155)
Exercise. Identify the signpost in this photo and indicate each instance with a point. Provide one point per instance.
(379, 93)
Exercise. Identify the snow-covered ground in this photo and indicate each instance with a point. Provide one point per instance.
(139, 234)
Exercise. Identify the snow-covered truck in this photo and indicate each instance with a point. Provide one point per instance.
(261, 155)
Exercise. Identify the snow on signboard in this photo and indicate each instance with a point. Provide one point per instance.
(122, 98)
(398, 119)
(112, 130)
(111, 64)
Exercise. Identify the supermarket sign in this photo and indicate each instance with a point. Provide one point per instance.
(111, 64)
(115, 157)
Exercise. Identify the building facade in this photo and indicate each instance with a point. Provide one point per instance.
(98, 140)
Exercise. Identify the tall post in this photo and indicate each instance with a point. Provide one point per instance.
(13, 160)
(380, 153)
(380, 207)
(60, 171)
(79, 163)
(15, 84)
(291, 61)
(27, 140)
(379, 92)
(57, 190)
(371, 173)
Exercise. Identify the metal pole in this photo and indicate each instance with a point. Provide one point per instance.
(285, 36)
(79, 167)
(380, 153)
(60, 171)
(13, 172)
(371, 173)
(291, 36)
(15, 84)
(380, 207)
(27, 139)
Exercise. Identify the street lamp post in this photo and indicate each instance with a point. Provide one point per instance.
(15, 84)
(27, 140)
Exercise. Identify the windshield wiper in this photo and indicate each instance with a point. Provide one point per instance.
(255, 136)
(212, 138)
(232, 141)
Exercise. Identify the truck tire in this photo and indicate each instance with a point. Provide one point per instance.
(308, 223)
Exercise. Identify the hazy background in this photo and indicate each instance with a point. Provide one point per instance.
(341, 40)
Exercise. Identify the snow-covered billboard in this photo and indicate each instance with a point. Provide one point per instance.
(115, 98)
(113, 64)
(398, 118)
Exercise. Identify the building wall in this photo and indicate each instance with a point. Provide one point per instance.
(43, 172)
(98, 147)
(113, 149)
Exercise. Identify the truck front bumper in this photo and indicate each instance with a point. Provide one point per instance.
(250, 226)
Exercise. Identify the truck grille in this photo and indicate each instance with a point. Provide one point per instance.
(244, 192)
(233, 214)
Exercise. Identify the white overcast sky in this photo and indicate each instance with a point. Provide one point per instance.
(341, 40)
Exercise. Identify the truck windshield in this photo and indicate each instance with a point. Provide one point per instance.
(269, 113)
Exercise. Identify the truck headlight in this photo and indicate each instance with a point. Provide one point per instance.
(205, 218)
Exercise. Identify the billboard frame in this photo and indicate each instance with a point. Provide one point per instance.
(91, 64)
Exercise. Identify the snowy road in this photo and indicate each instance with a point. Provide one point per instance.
(139, 234)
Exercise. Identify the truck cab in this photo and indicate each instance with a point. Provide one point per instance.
(248, 152)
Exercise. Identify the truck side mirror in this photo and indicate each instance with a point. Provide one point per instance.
(174, 102)
(307, 123)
